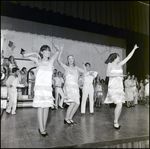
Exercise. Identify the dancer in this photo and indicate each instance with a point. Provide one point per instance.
(129, 96)
(43, 98)
(98, 92)
(11, 84)
(141, 92)
(71, 88)
(115, 92)
(133, 90)
(88, 88)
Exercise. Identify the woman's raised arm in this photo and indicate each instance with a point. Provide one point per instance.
(129, 55)
(59, 56)
(32, 57)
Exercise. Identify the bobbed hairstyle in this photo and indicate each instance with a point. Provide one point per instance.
(23, 68)
(43, 48)
(68, 62)
(9, 59)
(14, 69)
(87, 64)
(111, 58)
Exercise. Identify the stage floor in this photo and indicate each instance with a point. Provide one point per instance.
(21, 130)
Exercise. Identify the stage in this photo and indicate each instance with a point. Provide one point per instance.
(91, 131)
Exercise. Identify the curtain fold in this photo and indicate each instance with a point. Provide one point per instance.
(131, 15)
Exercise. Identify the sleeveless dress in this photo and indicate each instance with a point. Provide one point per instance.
(43, 86)
(115, 92)
(71, 88)
(128, 90)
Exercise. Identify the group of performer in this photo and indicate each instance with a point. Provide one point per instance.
(43, 98)
(68, 88)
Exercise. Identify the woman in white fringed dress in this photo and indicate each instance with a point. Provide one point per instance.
(43, 98)
(115, 92)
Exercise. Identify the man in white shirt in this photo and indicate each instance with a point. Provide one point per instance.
(11, 84)
(88, 89)
(58, 83)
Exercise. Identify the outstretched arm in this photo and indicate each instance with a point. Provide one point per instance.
(81, 70)
(84, 67)
(59, 56)
(32, 57)
(129, 56)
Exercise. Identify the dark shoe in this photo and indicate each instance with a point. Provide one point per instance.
(117, 127)
(92, 113)
(67, 122)
(43, 135)
(72, 122)
(82, 114)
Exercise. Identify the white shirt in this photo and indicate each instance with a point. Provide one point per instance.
(58, 81)
(89, 78)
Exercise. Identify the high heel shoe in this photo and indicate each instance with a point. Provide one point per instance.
(67, 122)
(117, 127)
(72, 122)
(43, 135)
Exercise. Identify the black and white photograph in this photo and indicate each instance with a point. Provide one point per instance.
(75, 74)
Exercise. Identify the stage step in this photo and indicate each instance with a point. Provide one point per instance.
(24, 104)
(24, 101)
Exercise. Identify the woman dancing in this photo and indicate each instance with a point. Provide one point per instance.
(43, 98)
(115, 92)
(71, 88)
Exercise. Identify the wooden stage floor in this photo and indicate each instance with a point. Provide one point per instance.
(91, 131)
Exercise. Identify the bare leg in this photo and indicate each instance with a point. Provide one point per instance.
(99, 101)
(117, 112)
(40, 119)
(69, 110)
(45, 112)
(73, 111)
(62, 98)
(56, 99)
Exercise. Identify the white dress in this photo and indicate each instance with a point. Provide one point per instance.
(115, 92)
(71, 87)
(43, 86)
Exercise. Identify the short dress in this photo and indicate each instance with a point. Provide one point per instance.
(43, 86)
(98, 89)
(129, 96)
(115, 92)
(71, 87)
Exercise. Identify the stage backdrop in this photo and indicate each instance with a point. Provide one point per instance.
(84, 46)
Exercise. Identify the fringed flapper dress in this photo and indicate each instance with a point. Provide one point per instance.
(115, 92)
(71, 88)
(43, 86)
